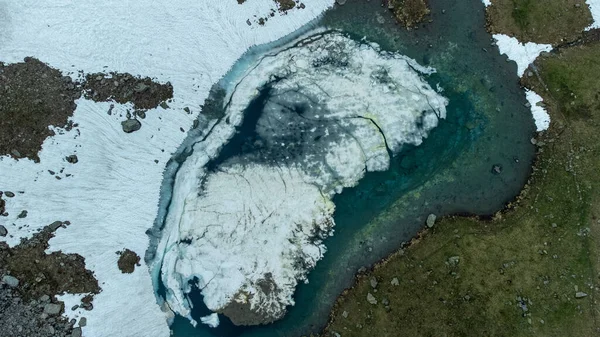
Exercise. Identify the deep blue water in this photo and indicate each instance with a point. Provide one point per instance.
(487, 124)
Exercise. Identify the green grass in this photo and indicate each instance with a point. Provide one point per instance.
(537, 253)
(540, 21)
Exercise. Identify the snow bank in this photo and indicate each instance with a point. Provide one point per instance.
(522, 54)
(248, 231)
(486, 2)
(594, 6)
(540, 116)
(111, 194)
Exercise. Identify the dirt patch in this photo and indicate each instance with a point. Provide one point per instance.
(144, 93)
(33, 96)
(409, 13)
(127, 261)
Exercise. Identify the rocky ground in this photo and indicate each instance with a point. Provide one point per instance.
(532, 270)
(32, 97)
(30, 279)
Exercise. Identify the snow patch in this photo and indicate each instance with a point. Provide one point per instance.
(540, 116)
(112, 193)
(522, 54)
(250, 229)
(211, 320)
(486, 2)
(594, 6)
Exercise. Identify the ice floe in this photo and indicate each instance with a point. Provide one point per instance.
(245, 228)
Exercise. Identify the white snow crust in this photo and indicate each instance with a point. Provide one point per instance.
(486, 2)
(522, 54)
(594, 6)
(257, 223)
(540, 116)
(112, 193)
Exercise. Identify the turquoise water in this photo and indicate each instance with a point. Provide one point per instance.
(451, 172)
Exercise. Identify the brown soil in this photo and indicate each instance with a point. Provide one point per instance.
(32, 97)
(128, 261)
(46, 274)
(144, 93)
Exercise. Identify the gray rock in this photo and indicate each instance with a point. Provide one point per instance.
(371, 299)
(431, 220)
(345, 314)
(9, 194)
(72, 159)
(55, 225)
(82, 322)
(76, 332)
(11, 281)
(341, 2)
(373, 282)
(44, 298)
(3, 231)
(22, 215)
(131, 125)
(52, 309)
(453, 260)
(395, 281)
(141, 87)
(580, 294)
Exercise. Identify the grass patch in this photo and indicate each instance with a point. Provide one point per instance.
(519, 274)
(540, 21)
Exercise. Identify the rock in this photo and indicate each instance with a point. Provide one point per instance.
(52, 309)
(385, 302)
(340, 2)
(164, 105)
(453, 260)
(431, 220)
(580, 294)
(76, 332)
(55, 225)
(371, 299)
(395, 281)
(141, 87)
(44, 298)
(75, 307)
(496, 169)
(9, 194)
(141, 114)
(3, 231)
(82, 322)
(11, 281)
(22, 215)
(186, 109)
(131, 125)
(72, 159)
(345, 314)
(373, 282)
